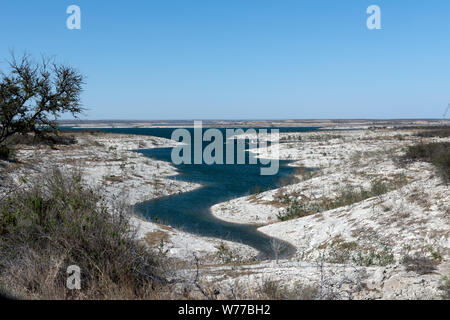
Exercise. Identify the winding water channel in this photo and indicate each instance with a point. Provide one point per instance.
(190, 211)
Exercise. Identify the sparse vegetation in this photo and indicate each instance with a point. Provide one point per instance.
(441, 132)
(419, 264)
(304, 173)
(347, 196)
(6, 152)
(55, 222)
(437, 153)
(273, 290)
(45, 138)
(378, 254)
(381, 256)
(445, 288)
(227, 255)
(423, 262)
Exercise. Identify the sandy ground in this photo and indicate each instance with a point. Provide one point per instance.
(356, 251)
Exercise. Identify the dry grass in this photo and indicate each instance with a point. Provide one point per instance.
(54, 222)
(156, 237)
(419, 264)
(347, 195)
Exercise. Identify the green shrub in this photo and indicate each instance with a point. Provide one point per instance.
(378, 188)
(55, 222)
(347, 196)
(6, 152)
(295, 209)
(437, 153)
(341, 252)
(419, 264)
(379, 254)
(380, 257)
(228, 256)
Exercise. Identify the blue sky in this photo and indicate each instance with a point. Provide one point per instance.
(244, 59)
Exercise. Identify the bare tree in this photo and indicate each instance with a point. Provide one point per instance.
(277, 247)
(34, 95)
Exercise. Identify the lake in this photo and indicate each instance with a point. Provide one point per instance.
(190, 211)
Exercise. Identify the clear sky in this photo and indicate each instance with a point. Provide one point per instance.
(244, 59)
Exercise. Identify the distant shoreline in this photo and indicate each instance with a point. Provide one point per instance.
(325, 124)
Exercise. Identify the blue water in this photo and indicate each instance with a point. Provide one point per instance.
(190, 211)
